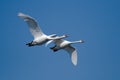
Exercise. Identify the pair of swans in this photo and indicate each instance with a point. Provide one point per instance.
(40, 38)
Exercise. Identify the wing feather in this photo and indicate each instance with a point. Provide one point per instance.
(33, 25)
(73, 54)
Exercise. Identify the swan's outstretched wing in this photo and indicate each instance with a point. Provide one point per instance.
(34, 27)
(73, 54)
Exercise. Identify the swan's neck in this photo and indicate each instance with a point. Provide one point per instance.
(80, 41)
(58, 37)
(76, 42)
(53, 35)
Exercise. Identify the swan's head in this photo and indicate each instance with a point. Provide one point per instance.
(81, 41)
(65, 35)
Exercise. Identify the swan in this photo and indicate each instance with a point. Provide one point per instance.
(66, 45)
(39, 37)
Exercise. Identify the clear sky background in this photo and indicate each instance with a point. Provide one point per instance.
(95, 21)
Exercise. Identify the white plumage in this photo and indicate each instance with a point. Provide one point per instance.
(66, 45)
(39, 37)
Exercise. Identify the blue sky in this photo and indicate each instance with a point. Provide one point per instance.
(95, 21)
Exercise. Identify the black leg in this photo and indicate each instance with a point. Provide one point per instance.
(29, 44)
(53, 47)
(55, 50)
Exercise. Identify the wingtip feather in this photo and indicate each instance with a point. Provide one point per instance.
(23, 16)
(20, 14)
(74, 58)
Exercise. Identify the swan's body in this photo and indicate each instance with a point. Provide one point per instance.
(66, 45)
(39, 37)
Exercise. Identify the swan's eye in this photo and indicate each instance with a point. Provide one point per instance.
(82, 41)
(66, 35)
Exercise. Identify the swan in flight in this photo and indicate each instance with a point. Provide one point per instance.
(39, 37)
(66, 45)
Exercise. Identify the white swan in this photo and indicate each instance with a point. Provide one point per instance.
(66, 45)
(39, 37)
